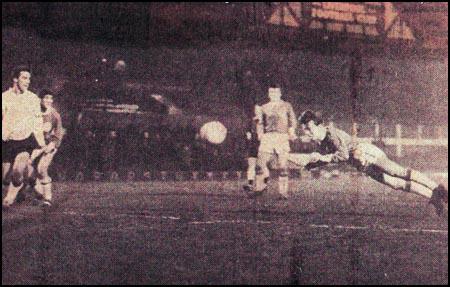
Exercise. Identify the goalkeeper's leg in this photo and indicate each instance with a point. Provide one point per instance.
(394, 169)
(436, 195)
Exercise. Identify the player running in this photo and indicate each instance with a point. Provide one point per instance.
(21, 129)
(276, 125)
(53, 134)
(338, 146)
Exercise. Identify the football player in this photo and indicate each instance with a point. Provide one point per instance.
(21, 129)
(338, 146)
(276, 125)
(53, 134)
(252, 145)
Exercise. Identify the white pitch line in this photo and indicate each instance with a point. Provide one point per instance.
(324, 226)
(313, 226)
(119, 215)
(420, 230)
(378, 227)
(228, 222)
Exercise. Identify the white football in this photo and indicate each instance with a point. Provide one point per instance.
(120, 65)
(214, 132)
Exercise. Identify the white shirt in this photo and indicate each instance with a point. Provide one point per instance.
(276, 116)
(21, 116)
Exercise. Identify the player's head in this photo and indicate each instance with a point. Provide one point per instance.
(313, 126)
(21, 78)
(274, 92)
(46, 99)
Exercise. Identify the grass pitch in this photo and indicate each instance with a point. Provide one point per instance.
(349, 230)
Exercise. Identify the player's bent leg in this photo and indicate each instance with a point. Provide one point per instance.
(251, 169)
(45, 186)
(45, 181)
(30, 175)
(251, 173)
(283, 179)
(28, 183)
(44, 164)
(38, 188)
(262, 170)
(394, 169)
(18, 170)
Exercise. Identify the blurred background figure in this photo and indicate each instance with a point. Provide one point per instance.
(109, 152)
(89, 151)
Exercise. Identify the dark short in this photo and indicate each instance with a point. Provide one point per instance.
(252, 148)
(11, 148)
(374, 172)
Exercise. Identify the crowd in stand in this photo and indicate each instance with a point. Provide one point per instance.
(152, 150)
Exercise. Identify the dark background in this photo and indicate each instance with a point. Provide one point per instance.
(204, 50)
(218, 58)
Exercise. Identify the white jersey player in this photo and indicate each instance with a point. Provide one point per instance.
(21, 129)
(276, 125)
(338, 146)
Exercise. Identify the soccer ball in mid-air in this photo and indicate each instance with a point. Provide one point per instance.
(120, 66)
(214, 132)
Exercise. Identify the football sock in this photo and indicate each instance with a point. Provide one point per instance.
(419, 189)
(251, 174)
(47, 187)
(39, 187)
(260, 185)
(283, 182)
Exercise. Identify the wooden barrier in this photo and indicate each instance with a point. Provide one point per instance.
(398, 141)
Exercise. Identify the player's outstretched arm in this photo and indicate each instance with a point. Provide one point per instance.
(328, 158)
(59, 130)
(303, 159)
(342, 153)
